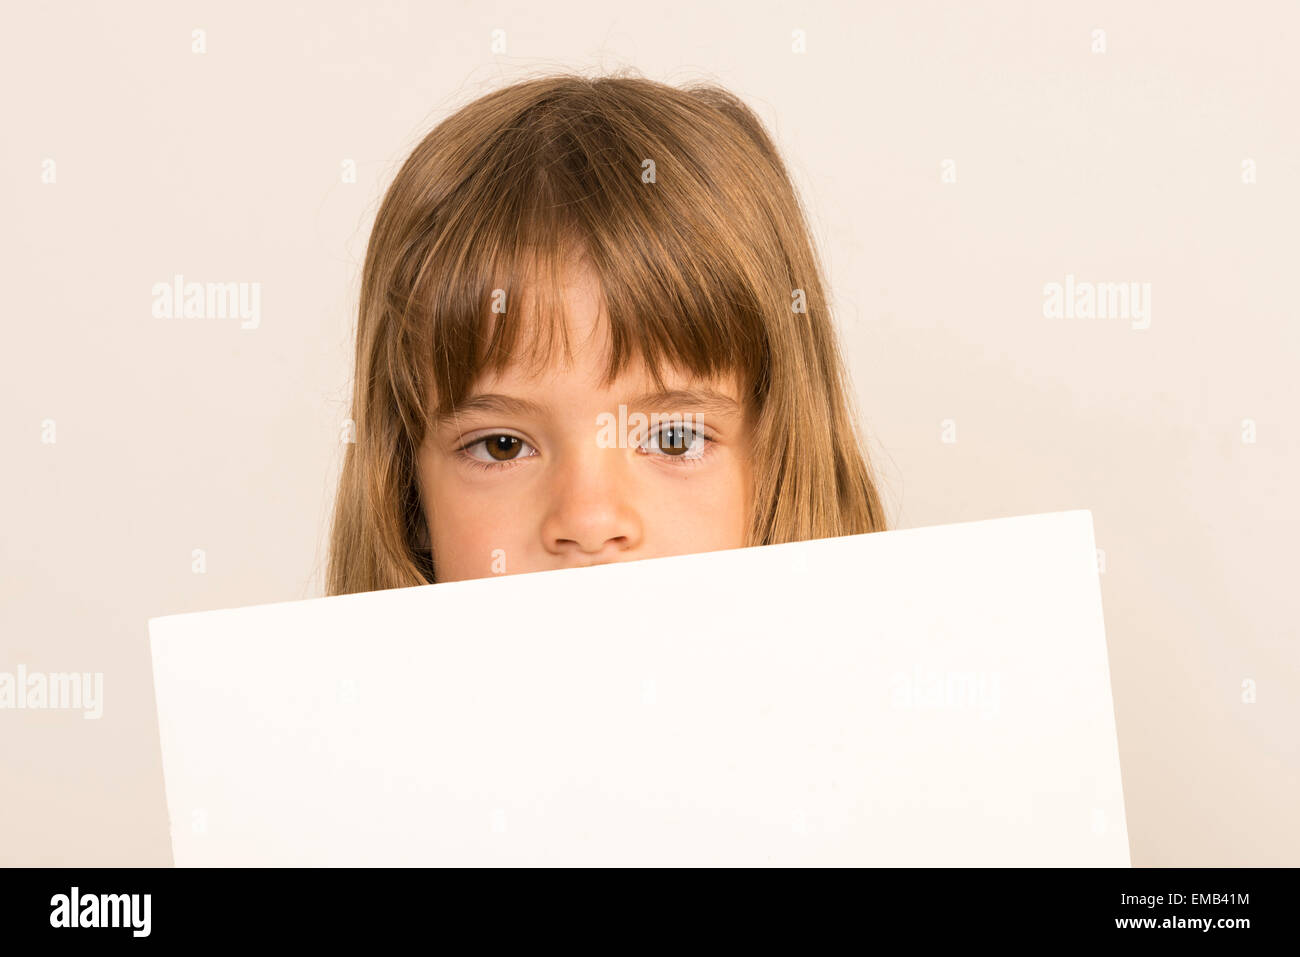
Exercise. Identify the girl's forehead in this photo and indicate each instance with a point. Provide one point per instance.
(579, 384)
(557, 335)
(573, 348)
(586, 373)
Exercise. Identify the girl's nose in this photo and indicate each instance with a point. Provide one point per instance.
(591, 515)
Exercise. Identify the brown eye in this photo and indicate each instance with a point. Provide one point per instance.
(496, 451)
(502, 447)
(673, 440)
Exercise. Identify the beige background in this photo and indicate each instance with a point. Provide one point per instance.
(225, 166)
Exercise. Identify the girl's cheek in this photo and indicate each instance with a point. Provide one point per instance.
(463, 553)
(491, 535)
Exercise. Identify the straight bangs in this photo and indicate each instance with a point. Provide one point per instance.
(582, 179)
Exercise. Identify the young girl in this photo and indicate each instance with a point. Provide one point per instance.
(592, 328)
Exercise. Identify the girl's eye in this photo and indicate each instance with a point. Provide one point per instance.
(498, 449)
(678, 441)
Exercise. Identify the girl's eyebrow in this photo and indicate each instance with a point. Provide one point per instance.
(669, 400)
(495, 403)
(675, 400)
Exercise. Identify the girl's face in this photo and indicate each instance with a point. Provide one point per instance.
(536, 473)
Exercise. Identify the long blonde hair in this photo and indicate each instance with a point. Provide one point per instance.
(679, 200)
